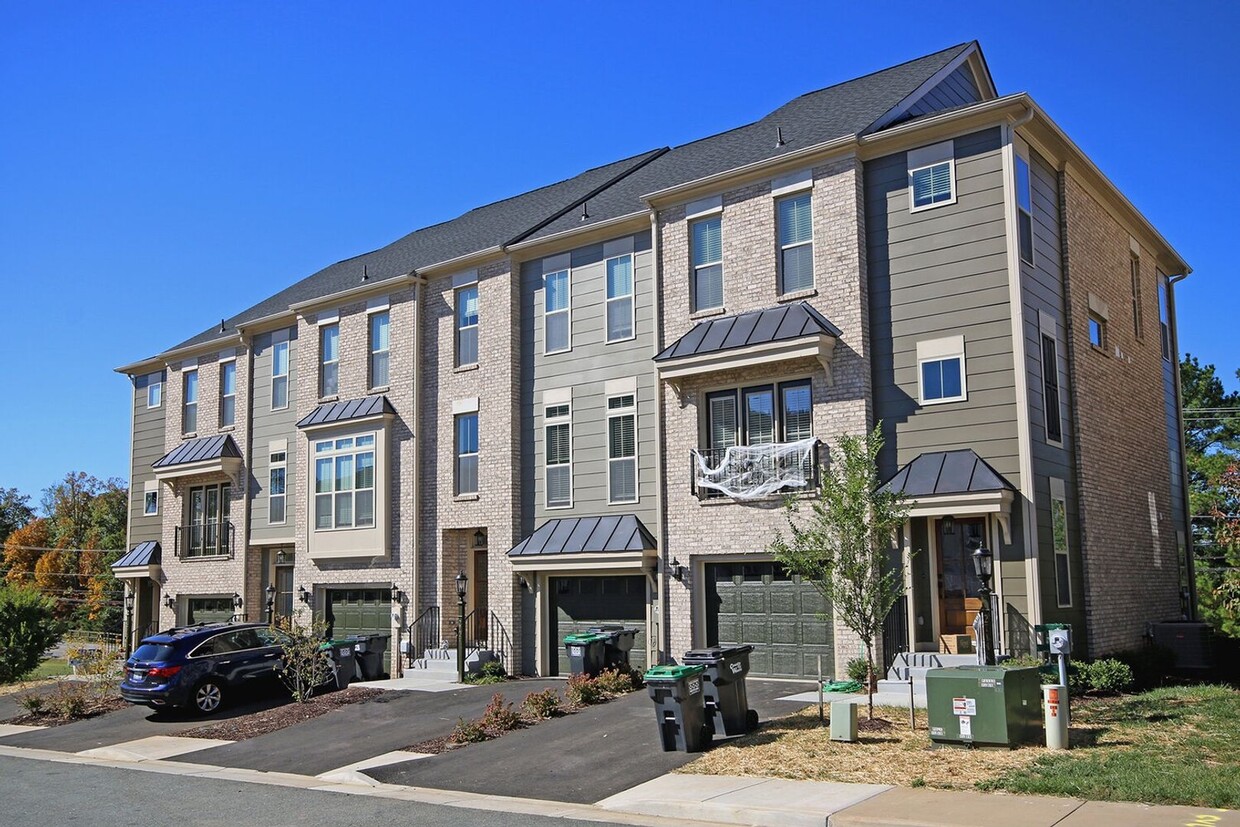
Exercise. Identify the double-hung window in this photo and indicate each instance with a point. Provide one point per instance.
(1164, 318)
(706, 237)
(1097, 331)
(467, 326)
(467, 454)
(620, 319)
(940, 370)
(154, 391)
(1024, 210)
(1059, 533)
(189, 406)
(228, 393)
(932, 176)
(379, 343)
(279, 375)
(1134, 272)
(344, 482)
(622, 449)
(557, 310)
(766, 414)
(558, 445)
(276, 497)
(1050, 388)
(329, 359)
(796, 243)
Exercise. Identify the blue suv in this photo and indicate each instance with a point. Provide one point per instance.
(199, 666)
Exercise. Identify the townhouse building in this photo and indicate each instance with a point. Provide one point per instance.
(588, 403)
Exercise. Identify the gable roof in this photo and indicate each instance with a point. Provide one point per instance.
(946, 472)
(756, 327)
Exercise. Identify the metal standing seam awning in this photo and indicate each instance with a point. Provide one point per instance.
(617, 541)
(958, 483)
(347, 410)
(143, 560)
(202, 455)
(789, 331)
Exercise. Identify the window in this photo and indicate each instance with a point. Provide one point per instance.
(150, 503)
(622, 449)
(1059, 531)
(154, 392)
(932, 176)
(768, 414)
(940, 370)
(1050, 388)
(279, 376)
(620, 320)
(467, 454)
(1164, 318)
(796, 243)
(228, 394)
(344, 483)
(329, 360)
(189, 409)
(1134, 266)
(1097, 331)
(706, 238)
(276, 498)
(557, 332)
(208, 520)
(1024, 210)
(379, 349)
(467, 326)
(559, 449)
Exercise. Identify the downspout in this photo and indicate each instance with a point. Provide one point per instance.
(414, 593)
(1189, 545)
(662, 641)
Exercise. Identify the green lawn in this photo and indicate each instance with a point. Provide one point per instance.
(51, 668)
(1178, 745)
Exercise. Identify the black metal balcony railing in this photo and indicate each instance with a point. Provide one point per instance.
(754, 472)
(205, 540)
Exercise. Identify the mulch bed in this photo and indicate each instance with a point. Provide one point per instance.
(94, 709)
(255, 724)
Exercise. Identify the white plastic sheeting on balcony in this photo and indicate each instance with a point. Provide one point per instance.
(751, 472)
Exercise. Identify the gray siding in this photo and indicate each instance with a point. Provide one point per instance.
(936, 273)
(148, 446)
(1171, 410)
(957, 89)
(268, 425)
(586, 369)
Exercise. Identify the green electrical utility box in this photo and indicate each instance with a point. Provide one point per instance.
(985, 706)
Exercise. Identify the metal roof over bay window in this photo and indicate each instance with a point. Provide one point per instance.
(203, 455)
(348, 410)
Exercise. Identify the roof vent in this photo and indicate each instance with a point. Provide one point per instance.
(365, 275)
(779, 136)
(222, 328)
(585, 212)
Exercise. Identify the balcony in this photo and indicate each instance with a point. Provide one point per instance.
(754, 472)
(214, 539)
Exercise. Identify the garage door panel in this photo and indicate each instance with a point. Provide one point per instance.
(783, 602)
(582, 602)
(729, 629)
(785, 632)
(815, 632)
(812, 602)
(753, 600)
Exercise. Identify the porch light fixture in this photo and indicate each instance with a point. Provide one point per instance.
(677, 570)
(480, 539)
(949, 525)
(984, 567)
(984, 564)
(281, 556)
(461, 582)
(128, 602)
(236, 601)
(170, 601)
(397, 595)
(303, 595)
(271, 602)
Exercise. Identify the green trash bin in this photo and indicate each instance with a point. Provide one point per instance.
(991, 706)
(586, 652)
(343, 663)
(679, 708)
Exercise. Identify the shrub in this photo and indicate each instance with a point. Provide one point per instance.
(32, 702)
(1150, 665)
(70, 699)
(468, 732)
(500, 717)
(304, 666)
(858, 669)
(28, 628)
(1109, 675)
(492, 672)
(540, 705)
(1018, 661)
(582, 690)
(1078, 678)
(616, 682)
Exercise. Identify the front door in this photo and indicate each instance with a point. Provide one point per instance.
(959, 602)
(479, 602)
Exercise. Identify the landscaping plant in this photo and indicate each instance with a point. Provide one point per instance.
(542, 705)
(582, 690)
(28, 628)
(499, 717)
(468, 732)
(492, 672)
(843, 547)
(1109, 676)
(304, 662)
(617, 681)
(858, 669)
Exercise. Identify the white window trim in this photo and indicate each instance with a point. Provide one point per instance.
(628, 410)
(223, 396)
(1059, 494)
(158, 387)
(272, 464)
(567, 311)
(148, 488)
(353, 451)
(631, 296)
(457, 327)
(457, 454)
(185, 403)
(275, 347)
(370, 347)
(779, 275)
(548, 423)
(940, 350)
(696, 305)
(1047, 327)
(931, 156)
(792, 183)
(1022, 156)
(324, 362)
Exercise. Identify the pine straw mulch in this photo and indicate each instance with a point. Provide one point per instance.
(264, 721)
(887, 752)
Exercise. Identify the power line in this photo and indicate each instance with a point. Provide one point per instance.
(8, 546)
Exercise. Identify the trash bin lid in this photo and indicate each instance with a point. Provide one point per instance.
(586, 637)
(672, 672)
(715, 653)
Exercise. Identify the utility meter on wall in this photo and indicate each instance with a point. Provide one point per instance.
(1059, 641)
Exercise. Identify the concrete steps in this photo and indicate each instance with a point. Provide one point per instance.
(915, 665)
(437, 663)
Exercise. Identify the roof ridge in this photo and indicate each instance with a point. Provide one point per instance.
(959, 47)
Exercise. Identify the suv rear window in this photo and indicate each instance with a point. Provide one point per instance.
(153, 651)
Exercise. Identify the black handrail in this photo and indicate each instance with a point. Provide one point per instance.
(205, 540)
(424, 633)
(500, 643)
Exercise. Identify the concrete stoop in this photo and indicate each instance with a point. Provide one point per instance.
(915, 665)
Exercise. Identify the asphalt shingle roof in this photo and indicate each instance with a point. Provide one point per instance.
(578, 535)
(947, 472)
(757, 327)
(198, 450)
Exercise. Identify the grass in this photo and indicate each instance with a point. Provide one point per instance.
(1178, 745)
(51, 668)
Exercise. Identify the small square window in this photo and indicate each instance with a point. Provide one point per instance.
(932, 176)
(150, 504)
(1097, 331)
(941, 370)
(154, 394)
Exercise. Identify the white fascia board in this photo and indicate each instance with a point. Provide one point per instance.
(630, 561)
(222, 465)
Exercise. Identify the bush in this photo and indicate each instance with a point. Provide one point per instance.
(304, 666)
(582, 690)
(541, 705)
(70, 699)
(1018, 661)
(617, 682)
(28, 628)
(1109, 675)
(499, 717)
(1150, 665)
(468, 732)
(492, 672)
(32, 702)
(858, 669)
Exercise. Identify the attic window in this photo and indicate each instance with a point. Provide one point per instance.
(932, 176)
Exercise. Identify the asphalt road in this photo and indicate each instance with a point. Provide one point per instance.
(42, 793)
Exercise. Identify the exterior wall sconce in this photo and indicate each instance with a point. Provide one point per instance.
(480, 539)
(398, 597)
(281, 556)
(949, 525)
(677, 570)
(303, 595)
(170, 601)
(525, 584)
(236, 602)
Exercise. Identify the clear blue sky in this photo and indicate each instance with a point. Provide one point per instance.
(163, 165)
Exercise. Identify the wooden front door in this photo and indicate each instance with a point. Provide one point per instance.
(959, 602)
(478, 603)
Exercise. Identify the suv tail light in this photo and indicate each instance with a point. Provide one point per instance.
(163, 671)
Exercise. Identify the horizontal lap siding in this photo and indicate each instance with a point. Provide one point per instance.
(270, 425)
(957, 89)
(148, 446)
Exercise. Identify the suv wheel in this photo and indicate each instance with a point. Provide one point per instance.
(208, 696)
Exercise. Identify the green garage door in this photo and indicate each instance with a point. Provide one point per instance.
(360, 612)
(208, 610)
(760, 604)
(578, 603)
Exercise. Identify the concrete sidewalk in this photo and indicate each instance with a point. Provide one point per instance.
(769, 802)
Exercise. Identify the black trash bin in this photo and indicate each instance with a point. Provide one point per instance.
(617, 646)
(677, 695)
(586, 652)
(369, 651)
(341, 657)
(726, 698)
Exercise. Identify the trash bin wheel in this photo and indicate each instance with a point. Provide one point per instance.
(751, 720)
(708, 734)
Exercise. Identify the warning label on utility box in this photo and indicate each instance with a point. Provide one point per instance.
(964, 706)
(966, 727)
